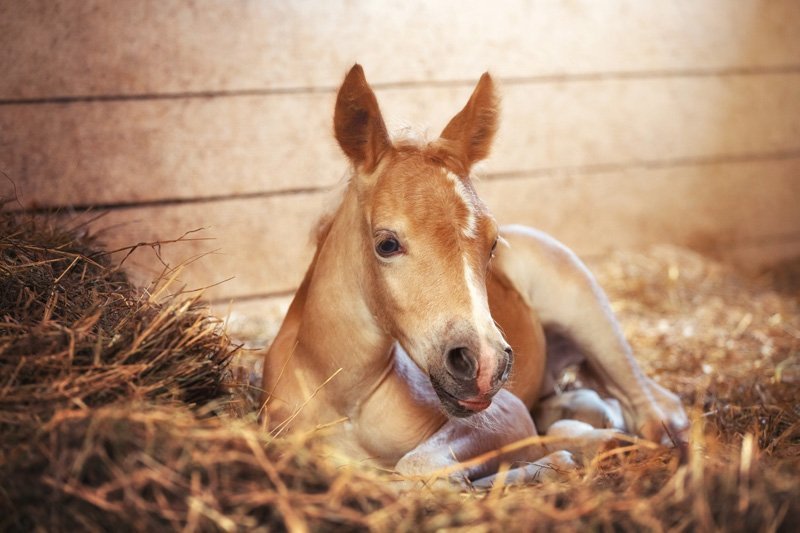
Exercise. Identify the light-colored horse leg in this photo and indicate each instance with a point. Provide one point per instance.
(578, 442)
(504, 423)
(580, 404)
(556, 284)
(552, 467)
(582, 440)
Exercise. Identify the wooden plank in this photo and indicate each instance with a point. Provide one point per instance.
(236, 247)
(623, 122)
(112, 152)
(709, 207)
(755, 257)
(256, 320)
(264, 243)
(79, 47)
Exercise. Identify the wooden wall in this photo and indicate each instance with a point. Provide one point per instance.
(624, 122)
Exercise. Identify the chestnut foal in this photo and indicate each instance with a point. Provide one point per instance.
(401, 338)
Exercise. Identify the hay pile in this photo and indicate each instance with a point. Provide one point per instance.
(115, 414)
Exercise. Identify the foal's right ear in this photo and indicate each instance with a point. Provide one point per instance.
(468, 136)
(358, 123)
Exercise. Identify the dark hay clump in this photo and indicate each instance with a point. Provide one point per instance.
(76, 336)
(117, 412)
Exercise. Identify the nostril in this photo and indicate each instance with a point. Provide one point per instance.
(460, 363)
(509, 364)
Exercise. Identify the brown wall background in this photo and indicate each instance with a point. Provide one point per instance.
(625, 123)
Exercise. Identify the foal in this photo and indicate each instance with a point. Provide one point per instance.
(401, 338)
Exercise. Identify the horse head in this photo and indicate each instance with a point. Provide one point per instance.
(428, 240)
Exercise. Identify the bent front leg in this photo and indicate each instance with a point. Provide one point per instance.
(565, 295)
(551, 467)
(461, 440)
(584, 405)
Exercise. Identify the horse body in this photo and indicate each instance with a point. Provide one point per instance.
(401, 337)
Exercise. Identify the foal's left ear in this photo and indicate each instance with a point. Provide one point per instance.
(468, 136)
(358, 123)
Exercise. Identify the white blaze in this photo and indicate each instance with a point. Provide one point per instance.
(470, 229)
(481, 316)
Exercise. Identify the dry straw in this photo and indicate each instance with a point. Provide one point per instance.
(119, 412)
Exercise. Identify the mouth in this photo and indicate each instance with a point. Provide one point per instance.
(459, 407)
(475, 405)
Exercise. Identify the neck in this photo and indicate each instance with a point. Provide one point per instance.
(337, 330)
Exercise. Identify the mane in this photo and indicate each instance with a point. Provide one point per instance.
(409, 137)
(441, 151)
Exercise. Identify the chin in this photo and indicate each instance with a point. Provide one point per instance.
(457, 407)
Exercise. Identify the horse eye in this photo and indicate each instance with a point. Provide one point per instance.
(388, 247)
(494, 247)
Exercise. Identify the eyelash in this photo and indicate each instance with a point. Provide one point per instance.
(388, 245)
(494, 247)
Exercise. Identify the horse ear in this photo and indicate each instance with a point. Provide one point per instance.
(358, 123)
(468, 137)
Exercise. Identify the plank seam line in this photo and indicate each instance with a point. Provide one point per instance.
(652, 164)
(166, 202)
(252, 296)
(323, 89)
(540, 173)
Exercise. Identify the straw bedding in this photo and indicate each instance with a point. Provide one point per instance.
(119, 410)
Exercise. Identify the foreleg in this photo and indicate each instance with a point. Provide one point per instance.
(448, 452)
(580, 404)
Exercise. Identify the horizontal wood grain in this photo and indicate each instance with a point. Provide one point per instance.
(94, 47)
(760, 254)
(624, 123)
(264, 244)
(235, 247)
(128, 152)
(706, 207)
